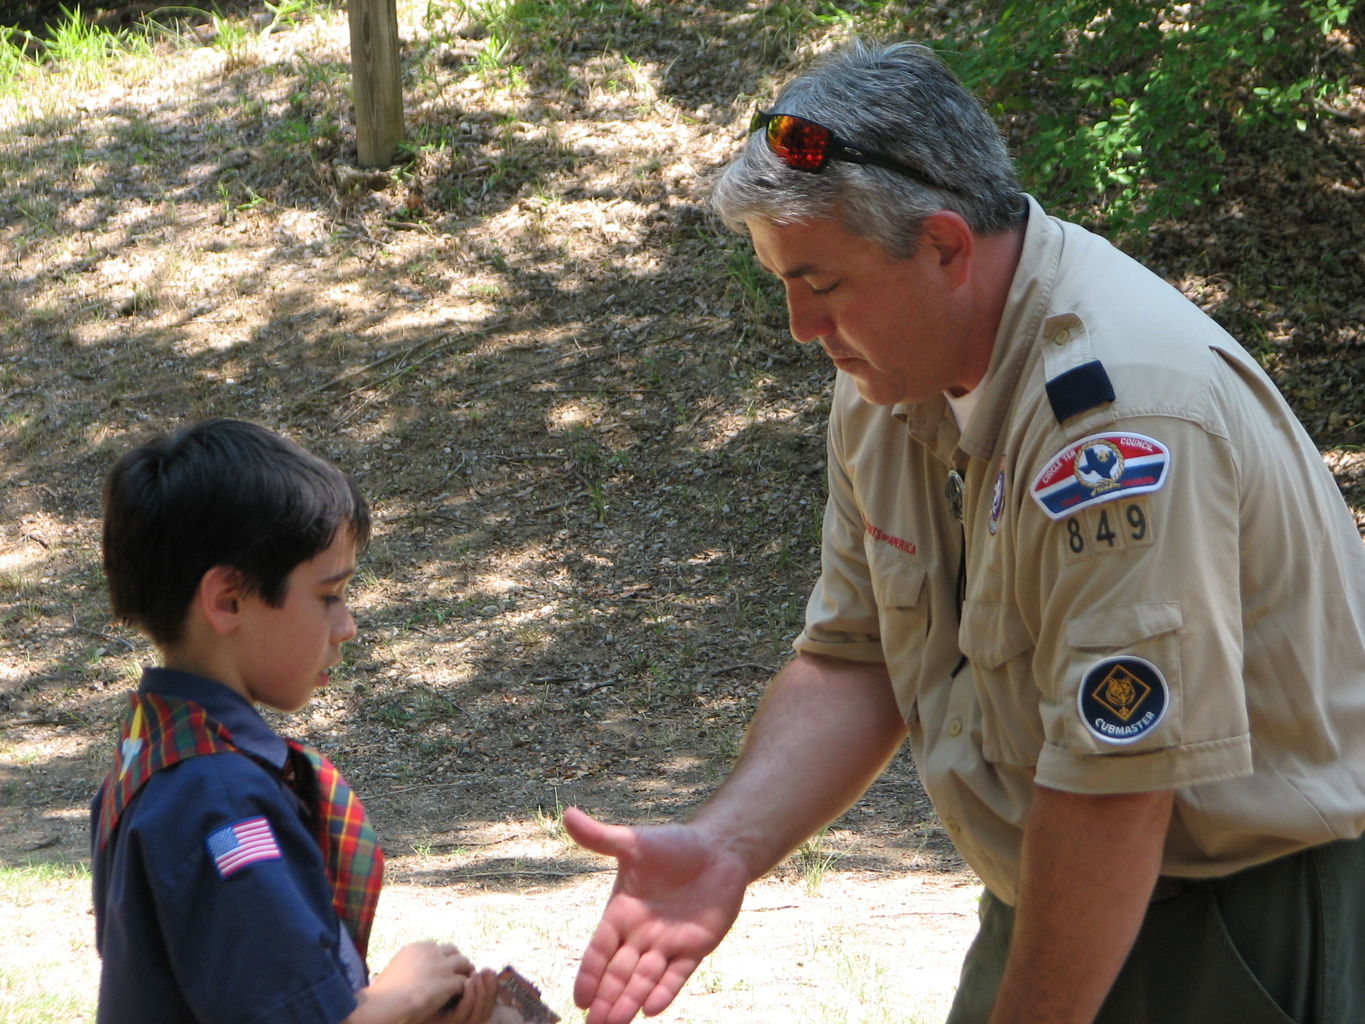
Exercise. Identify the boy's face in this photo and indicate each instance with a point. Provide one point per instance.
(286, 651)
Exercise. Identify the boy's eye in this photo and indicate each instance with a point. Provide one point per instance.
(825, 290)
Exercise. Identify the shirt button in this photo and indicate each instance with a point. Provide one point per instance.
(1062, 336)
(955, 727)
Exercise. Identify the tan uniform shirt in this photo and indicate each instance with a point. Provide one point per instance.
(1164, 590)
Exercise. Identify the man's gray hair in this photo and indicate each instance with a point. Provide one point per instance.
(901, 100)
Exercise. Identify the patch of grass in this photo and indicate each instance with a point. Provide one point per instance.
(48, 967)
(291, 13)
(751, 289)
(16, 58)
(862, 993)
(813, 859)
(551, 822)
(76, 54)
(726, 743)
(16, 583)
(550, 27)
(78, 47)
(22, 884)
(40, 1007)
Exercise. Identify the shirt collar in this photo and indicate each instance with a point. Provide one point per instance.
(249, 730)
(963, 406)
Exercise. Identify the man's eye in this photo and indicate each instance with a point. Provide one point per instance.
(824, 291)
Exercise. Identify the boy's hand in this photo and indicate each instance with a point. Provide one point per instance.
(504, 997)
(476, 1002)
(423, 976)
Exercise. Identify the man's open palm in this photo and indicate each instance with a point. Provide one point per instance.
(676, 895)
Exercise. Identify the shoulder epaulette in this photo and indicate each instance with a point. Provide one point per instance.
(1076, 381)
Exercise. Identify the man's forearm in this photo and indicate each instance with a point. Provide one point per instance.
(1089, 866)
(825, 730)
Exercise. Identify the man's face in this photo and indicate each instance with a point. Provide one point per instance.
(893, 325)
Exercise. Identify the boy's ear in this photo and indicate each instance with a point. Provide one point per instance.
(219, 598)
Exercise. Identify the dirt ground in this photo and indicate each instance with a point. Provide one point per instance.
(595, 460)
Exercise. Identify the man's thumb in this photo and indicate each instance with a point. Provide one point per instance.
(591, 834)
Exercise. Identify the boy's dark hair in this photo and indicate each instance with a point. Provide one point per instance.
(219, 492)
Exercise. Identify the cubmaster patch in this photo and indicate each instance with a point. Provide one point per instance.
(1099, 468)
(1122, 699)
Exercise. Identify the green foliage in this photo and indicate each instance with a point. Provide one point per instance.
(542, 27)
(1126, 107)
(77, 41)
(74, 53)
(14, 54)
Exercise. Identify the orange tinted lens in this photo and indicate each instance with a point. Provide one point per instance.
(800, 143)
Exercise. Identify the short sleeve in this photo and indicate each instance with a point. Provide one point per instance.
(1139, 654)
(841, 613)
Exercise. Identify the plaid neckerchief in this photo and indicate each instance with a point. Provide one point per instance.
(159, 731)
(350, 849)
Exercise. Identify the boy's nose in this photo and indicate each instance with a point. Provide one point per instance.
(347, 629)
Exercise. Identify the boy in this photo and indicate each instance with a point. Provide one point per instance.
(235, 876)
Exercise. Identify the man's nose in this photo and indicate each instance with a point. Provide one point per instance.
(805, 322)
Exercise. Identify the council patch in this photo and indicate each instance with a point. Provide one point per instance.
(1099, 468)
(1122, 699)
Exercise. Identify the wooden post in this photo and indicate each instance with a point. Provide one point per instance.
(375, 80)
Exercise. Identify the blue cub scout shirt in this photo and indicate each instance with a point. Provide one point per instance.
(198, 920)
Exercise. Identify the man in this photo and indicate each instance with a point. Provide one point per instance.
(1080, 553)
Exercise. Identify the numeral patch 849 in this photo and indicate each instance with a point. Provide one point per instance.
(1104, 529)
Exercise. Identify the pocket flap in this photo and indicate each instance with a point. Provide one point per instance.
(992, 633)
(1123, 625)
(897, 579)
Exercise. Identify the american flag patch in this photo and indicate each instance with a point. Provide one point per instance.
(233, 847)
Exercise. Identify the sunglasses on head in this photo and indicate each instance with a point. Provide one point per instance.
(806, 145)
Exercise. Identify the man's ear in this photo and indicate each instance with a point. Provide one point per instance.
(950, 238)
(219, 598)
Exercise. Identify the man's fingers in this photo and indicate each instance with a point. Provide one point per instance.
(605, 941)
(645, 972)
(674, 977)
(648, 981)
(610, 1003)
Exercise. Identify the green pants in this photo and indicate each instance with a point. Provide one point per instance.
(1282, 943)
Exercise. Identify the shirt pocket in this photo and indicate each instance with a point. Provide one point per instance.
(1142, 640)
(998, 646)
(898, 588)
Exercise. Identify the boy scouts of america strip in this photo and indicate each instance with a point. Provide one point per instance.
(233, 847)
(1099, 468)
